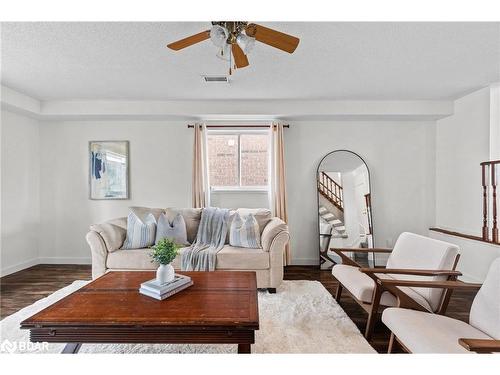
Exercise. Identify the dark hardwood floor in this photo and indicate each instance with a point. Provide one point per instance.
(22, 288)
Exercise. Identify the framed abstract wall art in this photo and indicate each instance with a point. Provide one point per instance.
(108, 170)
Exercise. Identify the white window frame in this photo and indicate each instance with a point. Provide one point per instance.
(240, 188)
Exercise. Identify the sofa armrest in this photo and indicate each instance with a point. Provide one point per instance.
(99, 253)
(271, 231)
(112, 232)
(275, 237)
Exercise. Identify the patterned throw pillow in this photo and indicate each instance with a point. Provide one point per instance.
(140, 233)
(175, 230)
(244, 232)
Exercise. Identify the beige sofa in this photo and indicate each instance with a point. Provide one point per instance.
(106, 239)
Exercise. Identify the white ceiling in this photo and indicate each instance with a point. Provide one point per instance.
(348, 61)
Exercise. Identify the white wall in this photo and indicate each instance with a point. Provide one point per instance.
(20, 192)
(462, 142)
(400, 157)
(160, 176)
(235, 199)
(45, 206)
(475, 256)
(495, 121)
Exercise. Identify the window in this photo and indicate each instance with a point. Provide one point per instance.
(238, 160)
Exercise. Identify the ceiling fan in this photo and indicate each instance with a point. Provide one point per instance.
(235, 39)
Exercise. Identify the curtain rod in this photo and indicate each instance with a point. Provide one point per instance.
(238, 126)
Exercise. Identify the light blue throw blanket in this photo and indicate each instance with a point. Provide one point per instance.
(211, 237)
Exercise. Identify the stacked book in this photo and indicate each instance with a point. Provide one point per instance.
(159, 291)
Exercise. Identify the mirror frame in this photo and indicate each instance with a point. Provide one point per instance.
(317, 200)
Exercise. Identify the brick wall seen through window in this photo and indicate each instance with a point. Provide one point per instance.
(238, 160)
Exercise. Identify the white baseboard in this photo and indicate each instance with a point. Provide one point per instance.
(43, 260)
(64, 260)
(18, 267)
(305, 262)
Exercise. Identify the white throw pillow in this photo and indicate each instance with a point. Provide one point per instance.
(140, 233)
(244, 232)
(174, 230)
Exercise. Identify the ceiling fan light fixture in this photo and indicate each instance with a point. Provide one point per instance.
(245, 42)
(219, 35)
(224, 52)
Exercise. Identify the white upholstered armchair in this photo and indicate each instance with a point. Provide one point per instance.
(421, 332)
(414, 257)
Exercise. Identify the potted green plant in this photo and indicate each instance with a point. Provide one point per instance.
(164, 252)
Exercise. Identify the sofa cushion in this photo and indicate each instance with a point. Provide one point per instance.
(134, 259)
(234, 258)
(140, 233)
(244, 232)
(422, 332)
(192, 217)
(239, 258)
(174, 230)
(263, 216)
(361, 286)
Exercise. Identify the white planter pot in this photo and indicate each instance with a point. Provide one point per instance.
(165, 273)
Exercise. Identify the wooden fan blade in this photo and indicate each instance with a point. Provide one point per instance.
(240, 59)
(273, 38)
(190, 40)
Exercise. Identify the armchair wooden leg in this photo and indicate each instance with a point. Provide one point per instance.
(391, 344)
(373, 314)
(338, 293)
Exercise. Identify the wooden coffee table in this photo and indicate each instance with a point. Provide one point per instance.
(220, 308)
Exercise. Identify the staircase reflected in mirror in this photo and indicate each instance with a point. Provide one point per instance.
(344, 208)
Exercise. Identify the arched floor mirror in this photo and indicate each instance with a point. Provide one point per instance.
(344, 207)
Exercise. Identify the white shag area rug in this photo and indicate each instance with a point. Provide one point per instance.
(302, 317)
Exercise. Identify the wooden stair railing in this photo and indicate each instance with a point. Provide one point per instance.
(331, 190)
(489, 180)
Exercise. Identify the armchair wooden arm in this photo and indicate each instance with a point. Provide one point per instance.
(406, 301)
(480, 345)
(361, 249)
(415, 272)
(348, 261)
(449, 284)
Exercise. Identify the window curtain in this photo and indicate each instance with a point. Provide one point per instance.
(199, 171)
(278, 180)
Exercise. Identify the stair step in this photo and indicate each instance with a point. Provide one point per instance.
(323, 209)
(339, 235)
